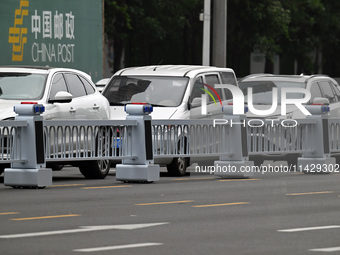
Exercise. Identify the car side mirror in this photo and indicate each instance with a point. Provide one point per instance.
(196, 102)
(320, 100)
(61, 97)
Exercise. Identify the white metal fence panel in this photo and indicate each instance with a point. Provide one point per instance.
(9, 141)
(334, 135)
(189, 138)
(194, 138)
(87, 140)
(274, 136)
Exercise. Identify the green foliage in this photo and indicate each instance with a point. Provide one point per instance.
(151, 31)
(167, 31)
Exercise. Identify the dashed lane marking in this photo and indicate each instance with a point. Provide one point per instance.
(308, 228)
(8, 213)
(67, 185)
(169, 202)
(238, 180)
(329, 249)
(117, 247)
(310, 193)
(212, 205)
(48, 217)
(108, 187)
(188, 179)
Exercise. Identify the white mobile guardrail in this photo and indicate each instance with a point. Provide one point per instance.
(334, 135)
(272, 137)
(87, 140)
(138, 140)
(8, 140)
(189, 138)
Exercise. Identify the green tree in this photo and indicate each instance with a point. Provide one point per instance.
(169, 32)
(117, 25)
(329, 28)
(255, 25)
(152, 32)
(304, 33)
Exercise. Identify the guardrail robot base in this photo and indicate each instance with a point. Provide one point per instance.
(140, 173)
(39, 178)
(32, 173)
(142, 167)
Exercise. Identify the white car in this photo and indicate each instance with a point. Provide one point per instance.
(174, 91)
(65, 93)
(323, 89)
(101, 84)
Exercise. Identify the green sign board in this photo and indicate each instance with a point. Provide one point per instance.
(59, 33)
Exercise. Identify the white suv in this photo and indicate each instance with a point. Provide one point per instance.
(323, 89)
(174, 91)
(65, 93)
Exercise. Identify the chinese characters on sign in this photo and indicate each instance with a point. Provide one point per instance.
(52, 26)
(52, 35)
(47, 25)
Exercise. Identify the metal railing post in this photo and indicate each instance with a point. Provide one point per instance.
(235, 164)
(141, 167)
(32, 172)
(316, 156)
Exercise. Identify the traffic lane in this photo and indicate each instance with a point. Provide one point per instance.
(254, 226)
(218, 236)
(152, 191)
(274, 210)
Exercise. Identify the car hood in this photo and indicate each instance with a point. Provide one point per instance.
(118, 113)
(7, 108)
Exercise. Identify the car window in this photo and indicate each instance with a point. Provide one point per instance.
(261, 91)
(89, 88)
(211, 80)
(257, 86)
(197, 90)
(327, 91)
(58, 84)
(315, 91)
(154, 90)
(22, 86)
(336, 90)
(228, 78)
(75, 85)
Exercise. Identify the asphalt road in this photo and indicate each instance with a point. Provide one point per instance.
(272, 213)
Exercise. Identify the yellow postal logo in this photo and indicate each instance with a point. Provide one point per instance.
(18, 33)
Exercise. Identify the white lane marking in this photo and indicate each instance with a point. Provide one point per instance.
(117, 247)
(46, 233)
(330, 249)
(308, 229)
(85, 229)
(125, 227)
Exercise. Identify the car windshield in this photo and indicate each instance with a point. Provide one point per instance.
(262, 90)
(21, 86)
(154, 90)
